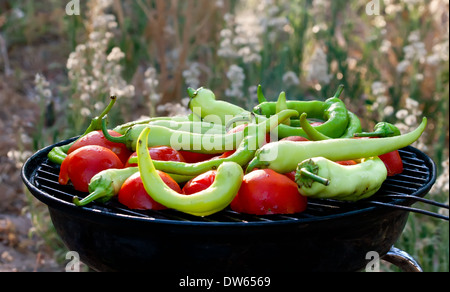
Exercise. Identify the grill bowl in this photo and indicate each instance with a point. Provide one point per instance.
(328, 236)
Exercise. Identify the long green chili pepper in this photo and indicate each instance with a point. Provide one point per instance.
(322, 178)
(121, 129)
(283, 156)
(209, 201)
(202, 143)
(58, 154)
(382, 129)
(253, 134)
(354, 127)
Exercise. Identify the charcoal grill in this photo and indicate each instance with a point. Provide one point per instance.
(328, 236)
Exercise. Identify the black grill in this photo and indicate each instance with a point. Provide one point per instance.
(329, 235)
(396, 191)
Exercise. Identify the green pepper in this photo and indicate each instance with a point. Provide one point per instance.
(253, 134)
(209, 201)
(105, 185)
(195, 142)
(58, 154)
(283, 156)
(353, 128)
(382, 129)
(212, 110)
(121, 129)
(322, 178)
(333, 111)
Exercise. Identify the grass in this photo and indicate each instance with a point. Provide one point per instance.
(403, 51)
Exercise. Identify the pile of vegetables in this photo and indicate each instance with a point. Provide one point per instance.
(265, 161)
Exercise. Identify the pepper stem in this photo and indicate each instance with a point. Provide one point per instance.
(191, 92)
(306, 173)
(339, 91)
(260, 95)
(95, 195)
(119, 139)
(96, 123)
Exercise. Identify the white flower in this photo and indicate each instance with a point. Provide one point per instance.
(317, 70)
(378, 88)
(116, 55)
(290, 78)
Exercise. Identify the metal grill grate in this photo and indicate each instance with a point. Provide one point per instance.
(397, 191)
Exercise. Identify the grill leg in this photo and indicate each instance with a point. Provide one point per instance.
(402, 260)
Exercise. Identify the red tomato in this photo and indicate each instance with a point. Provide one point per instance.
(133, 194)
(163, 153)
(264, 191)
(85, 162)
(199, 183)
(393, 162)
(193, 157)
(97, 138)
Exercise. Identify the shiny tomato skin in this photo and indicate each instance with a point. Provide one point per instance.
(85, 162)
(97, 138)
(264, 191)
(199, 183)
(133, 194)
(393, 162)
(194, 157)
(163, 153)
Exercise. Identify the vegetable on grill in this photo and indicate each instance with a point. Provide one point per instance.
(322, 178)
(82, 164)
(254, 135)
(333, 111)
(284, 156)
(209, 201)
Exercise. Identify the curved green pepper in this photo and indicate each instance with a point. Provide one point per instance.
(209, 201)
(283, 156)
(322, 178)
(353, 128)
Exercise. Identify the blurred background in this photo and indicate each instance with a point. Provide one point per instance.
(61, 60)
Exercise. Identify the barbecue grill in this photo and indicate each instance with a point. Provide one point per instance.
(328, 236)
